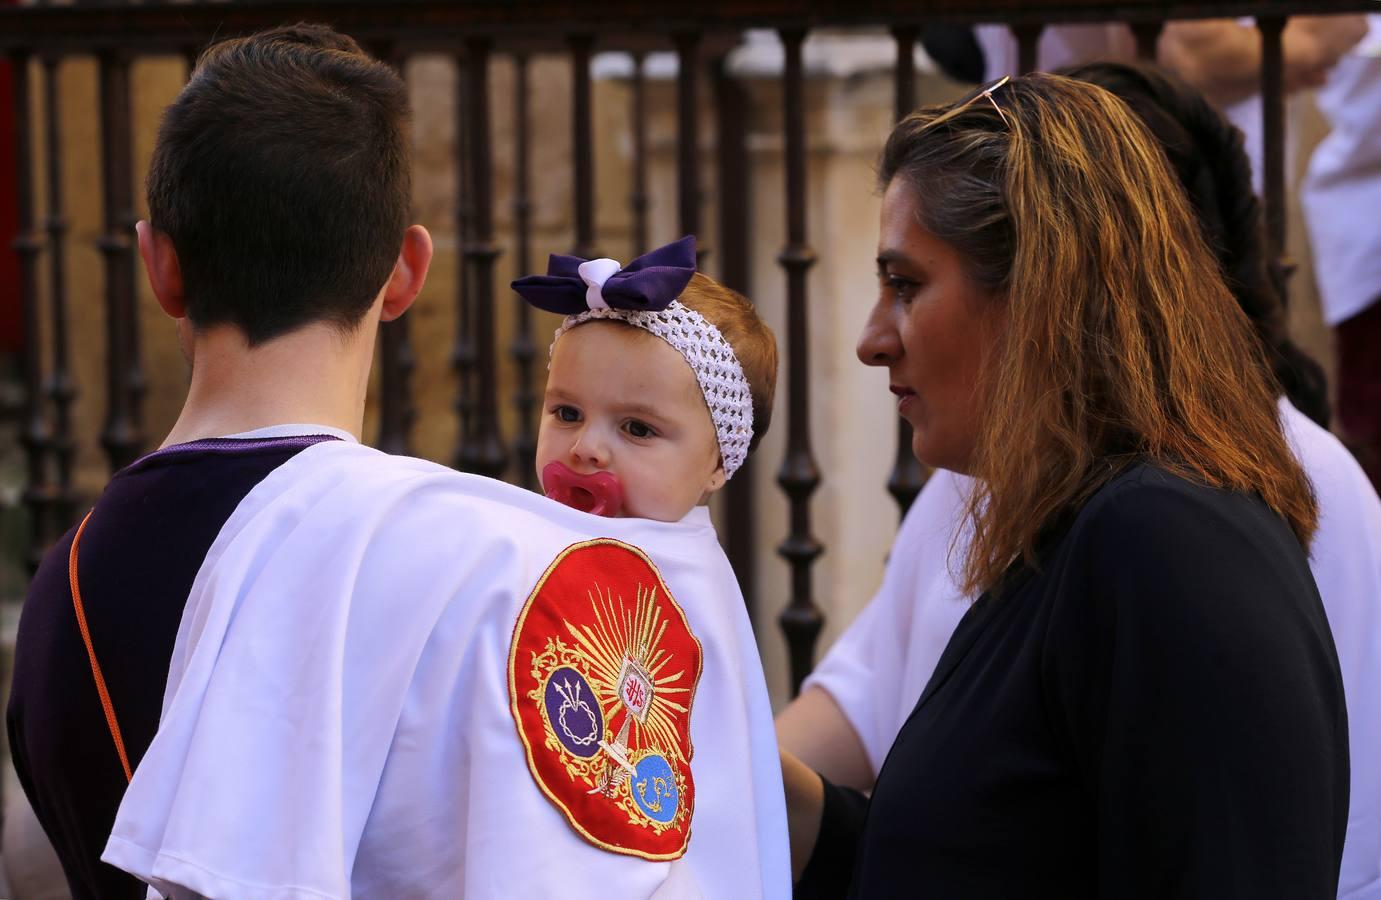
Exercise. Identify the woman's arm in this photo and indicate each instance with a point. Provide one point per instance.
(816, 731)
(825, 822)
(1222, 57)
(805, 802)
(862, 690)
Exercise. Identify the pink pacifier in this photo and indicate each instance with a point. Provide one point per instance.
(599, 494)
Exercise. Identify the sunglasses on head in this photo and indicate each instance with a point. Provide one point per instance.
(982, 92)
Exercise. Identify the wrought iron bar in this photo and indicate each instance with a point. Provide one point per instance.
(463, 348)
(735, 267)
(904, 83)
(396, 361)
(637, 200)
(582, 145)
(1028, 46)
(160, 26)
(688, 138)
(121, 435)
(1147, 36)
(35, 436)
(522, 349)
(396, 410)
(482, 451)
(908, 475)
(799, 475)
(136, 382)
(1273, 157)
(62, 389)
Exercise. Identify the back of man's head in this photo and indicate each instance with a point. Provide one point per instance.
(282, 175)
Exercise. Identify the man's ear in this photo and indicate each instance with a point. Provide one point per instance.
(163, 269)
(409, 273)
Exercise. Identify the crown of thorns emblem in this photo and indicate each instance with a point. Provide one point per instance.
(572, 702)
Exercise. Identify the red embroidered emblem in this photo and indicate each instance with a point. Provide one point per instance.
(601, 676)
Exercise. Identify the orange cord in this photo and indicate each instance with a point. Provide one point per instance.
(91, 652)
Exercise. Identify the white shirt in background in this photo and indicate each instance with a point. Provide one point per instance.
(1341, 194)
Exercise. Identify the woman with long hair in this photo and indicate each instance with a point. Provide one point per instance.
(1144, 700)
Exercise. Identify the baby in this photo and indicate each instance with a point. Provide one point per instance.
(660, 384)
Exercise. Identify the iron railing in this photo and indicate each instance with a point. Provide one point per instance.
(36, 37)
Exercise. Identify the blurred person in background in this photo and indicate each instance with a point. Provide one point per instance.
(1341, 196)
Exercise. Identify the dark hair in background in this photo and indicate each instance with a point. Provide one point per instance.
(955, 49)
(282, 176)
(1206, 153)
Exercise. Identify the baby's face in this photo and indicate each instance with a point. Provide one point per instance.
(622, 401)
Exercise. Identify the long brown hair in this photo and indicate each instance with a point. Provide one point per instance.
(1121, 342)
(1207, 154)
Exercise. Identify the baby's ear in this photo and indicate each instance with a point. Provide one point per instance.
(717, 479)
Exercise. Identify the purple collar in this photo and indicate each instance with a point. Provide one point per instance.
(223, 445)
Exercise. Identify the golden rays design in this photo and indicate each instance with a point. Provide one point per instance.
(634, 632)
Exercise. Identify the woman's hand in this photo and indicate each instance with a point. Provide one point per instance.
(1313, 45)
(805, 802)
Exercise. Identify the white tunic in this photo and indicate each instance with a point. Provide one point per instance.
(1342, 191)
(878, 667)
(337, 720)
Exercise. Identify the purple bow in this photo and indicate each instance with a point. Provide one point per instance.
(648, 283)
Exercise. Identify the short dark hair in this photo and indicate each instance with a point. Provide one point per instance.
(282, 176)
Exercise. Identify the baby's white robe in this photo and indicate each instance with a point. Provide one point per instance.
(337, 720)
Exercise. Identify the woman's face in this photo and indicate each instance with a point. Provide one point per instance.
(931, 328)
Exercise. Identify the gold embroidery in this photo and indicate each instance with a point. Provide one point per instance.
(621, 659)
(637, 685)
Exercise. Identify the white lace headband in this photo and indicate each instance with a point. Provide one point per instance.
(710, 356)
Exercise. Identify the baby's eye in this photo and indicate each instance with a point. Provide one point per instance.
(639, 429)
(566, 413)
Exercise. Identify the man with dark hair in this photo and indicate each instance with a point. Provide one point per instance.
(278, 240)
(273, 663)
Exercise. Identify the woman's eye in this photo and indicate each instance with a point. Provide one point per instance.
(566, 413)
(639, 429)
(901, 288)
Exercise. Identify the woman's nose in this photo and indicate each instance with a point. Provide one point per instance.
(879, 344)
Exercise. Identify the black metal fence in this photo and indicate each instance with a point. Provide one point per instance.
(36, 38)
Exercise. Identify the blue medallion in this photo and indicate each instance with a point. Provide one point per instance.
(654, 789)
(573, 712)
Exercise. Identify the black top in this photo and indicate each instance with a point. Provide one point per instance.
(149, 533)
(1156, 713)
